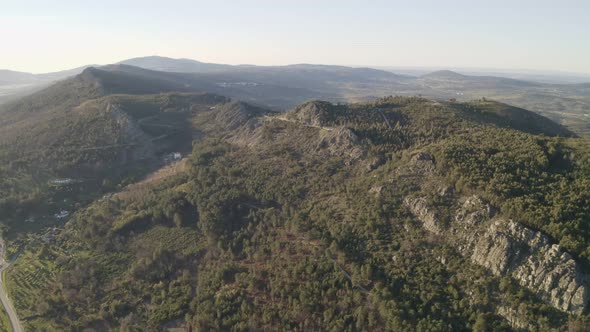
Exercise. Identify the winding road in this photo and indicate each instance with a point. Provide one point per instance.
(8, 307)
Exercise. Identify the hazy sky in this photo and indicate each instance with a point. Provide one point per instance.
(43, 36)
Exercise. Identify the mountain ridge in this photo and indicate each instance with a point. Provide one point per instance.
(283, 87)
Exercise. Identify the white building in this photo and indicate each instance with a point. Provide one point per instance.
(62, 214)
(62, 181)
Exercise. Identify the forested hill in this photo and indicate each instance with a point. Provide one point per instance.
(92, 83)
(76, 130)
(401, 214)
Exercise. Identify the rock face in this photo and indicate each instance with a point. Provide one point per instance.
(311, 113)
(506, 247)
(341, 141)
(140, 145)
(233, 115)
(422, 162)
(241, 120)
(528, 256)
(427, 216)
(376, 190)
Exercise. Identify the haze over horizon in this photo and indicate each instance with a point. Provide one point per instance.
(43, 36)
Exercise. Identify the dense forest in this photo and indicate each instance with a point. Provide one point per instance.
(296, 221)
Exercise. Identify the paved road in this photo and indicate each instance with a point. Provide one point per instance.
(14, 321)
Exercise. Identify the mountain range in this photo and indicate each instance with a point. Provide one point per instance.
(287, 86)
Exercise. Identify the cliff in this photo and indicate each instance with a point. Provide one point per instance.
(506, 247)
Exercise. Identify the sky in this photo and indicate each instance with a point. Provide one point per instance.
(44, 36)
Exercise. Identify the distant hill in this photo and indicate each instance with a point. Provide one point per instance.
(14, 84)
(59, 75)
(174, 65)
(445, 74)
(9, 77)
(327, 82)
(94, 82)
(481, 80)
(119, 78)
(286, 86)
(159, 63)
(516, 118)
(282, 87)
(15, 77)
(46, 129)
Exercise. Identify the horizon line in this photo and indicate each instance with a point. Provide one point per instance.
(379, 67)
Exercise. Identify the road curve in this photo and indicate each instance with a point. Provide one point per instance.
(8, 307)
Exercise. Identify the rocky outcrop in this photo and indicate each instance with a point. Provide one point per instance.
(528, 256)
(374, 163)
(376, 190)
(516, 318)
(506, 247)
(341, 141)
(420, 164)
(419, 207)
(234, 114)
(134, 143)
(241, 121)
(311, 113)
(473, 212)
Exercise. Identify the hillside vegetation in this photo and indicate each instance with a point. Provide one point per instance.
(299, 221)
(86, 130)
